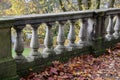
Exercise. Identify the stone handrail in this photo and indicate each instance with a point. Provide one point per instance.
(95, 36)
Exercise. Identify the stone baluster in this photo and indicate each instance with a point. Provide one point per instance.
(82, 34)
(90, 31)
(19, 45)
(71, 36)
(34, 44)
(48, 41)
(60, 48)
(116, 34)
(109, 29)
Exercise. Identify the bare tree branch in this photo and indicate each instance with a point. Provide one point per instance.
(79, 4)
(111, 3)
(89, 4)
(62, 6)
(71, 5)
(98, 4)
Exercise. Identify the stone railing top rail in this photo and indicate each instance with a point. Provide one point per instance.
(52, 17)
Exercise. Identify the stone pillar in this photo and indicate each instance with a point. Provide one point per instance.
(90, 31)
(82, 34)
(117, 27)
(19, 45)
(98, 46)
(71, 36)
(34, 44)
(99, 25)
(7, 63)
(48, 41)
(109, 29)
(60, 48)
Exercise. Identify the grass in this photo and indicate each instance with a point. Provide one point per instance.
(26, 51)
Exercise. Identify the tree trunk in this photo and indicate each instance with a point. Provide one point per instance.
(89, 4)
(86, 4)
(79, 4)
(71, 6)
(62, 6)
(98, 4)
(36, 2)
(111, 3)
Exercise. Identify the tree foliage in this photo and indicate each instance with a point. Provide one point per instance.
(19, 7)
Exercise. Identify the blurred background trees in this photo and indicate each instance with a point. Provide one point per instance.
(19, 7)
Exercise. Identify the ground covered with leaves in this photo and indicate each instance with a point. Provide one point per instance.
(86, 67)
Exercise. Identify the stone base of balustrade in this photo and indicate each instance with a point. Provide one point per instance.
(100, 45)
(8, 69)
(38, 65)
(112, 43)
(11, 78)
(60, 49)
(48, 52)
(34, 56)
(71, 47)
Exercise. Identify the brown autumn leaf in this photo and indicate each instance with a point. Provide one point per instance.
(99, 78)
(53, 70)
(109, 79)
(50, 78)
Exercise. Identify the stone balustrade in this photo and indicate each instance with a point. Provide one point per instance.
(99, 29)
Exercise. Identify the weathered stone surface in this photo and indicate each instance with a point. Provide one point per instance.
(71, 37)
(90, 31)
(8, 69)
(48, 42)
(7, 64)
(116, 34)
(34, 44)
(82, 34)
(60, 48)
(5, 43)
(109, 29)
(19, 45)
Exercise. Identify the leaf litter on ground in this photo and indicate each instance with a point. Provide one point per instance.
(85, 67)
